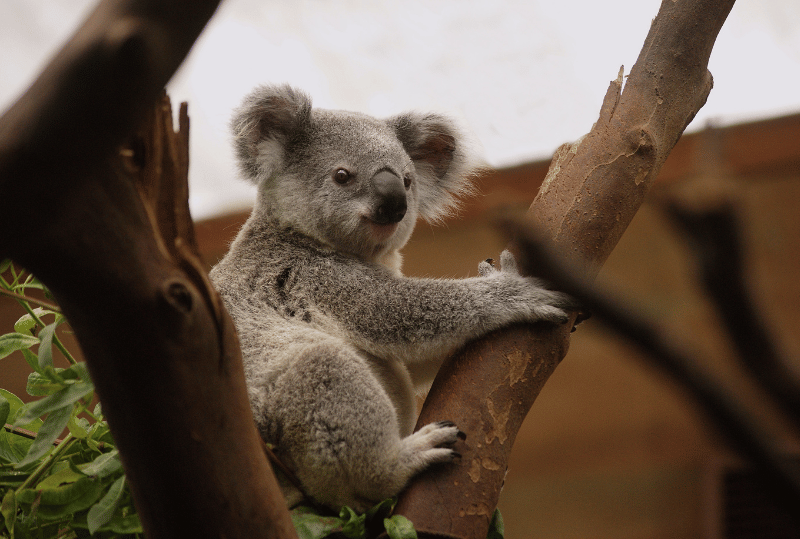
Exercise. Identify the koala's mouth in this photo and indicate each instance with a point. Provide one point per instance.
(381, 232)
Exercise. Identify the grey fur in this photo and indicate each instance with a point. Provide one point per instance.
(335, 340)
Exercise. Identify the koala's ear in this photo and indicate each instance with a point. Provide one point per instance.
(264, 125)
(442, 158)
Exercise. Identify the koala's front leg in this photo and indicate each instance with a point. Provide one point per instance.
(419, 320)
(545, 304)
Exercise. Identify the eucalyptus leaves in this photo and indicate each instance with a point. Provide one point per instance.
(67, 488)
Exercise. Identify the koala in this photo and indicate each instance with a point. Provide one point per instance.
(336, 342)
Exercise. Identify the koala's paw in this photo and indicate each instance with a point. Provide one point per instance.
(434, 442)
(551, 313)
(508, 265)
(544, 304)
(486, 268)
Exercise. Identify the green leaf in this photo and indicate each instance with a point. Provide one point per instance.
(13, 447)
(101, 512)
(16, 403)
(78, 427)
(103, 466)
(27, 322)
(496, 527)
(310, 525)
(48, 380)
(12, 478)
(56, 401)
(39, 384)
(100, 434)
(31, 358)
(66, 500)
(78, 371)
(127, 524)
(46, 346)
(5, 264)
(55, 423)
(59, 478)
(8, 508)
(399, 527)
(57, 494)
(5, 410)
(353, 524)
(381, 510)
(11, 342)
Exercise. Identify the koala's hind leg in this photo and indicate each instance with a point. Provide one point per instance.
(337, 429)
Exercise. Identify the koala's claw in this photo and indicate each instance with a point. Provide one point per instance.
(457, 435)
(441, 434)
(486, 268)
(555, 315)
(507, 265)
(461, 435)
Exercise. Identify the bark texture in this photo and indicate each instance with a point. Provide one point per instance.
(109, 232)
(592, 191)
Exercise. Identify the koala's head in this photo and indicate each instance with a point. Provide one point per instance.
(353, 182)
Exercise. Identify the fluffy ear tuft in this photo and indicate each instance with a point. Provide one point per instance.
(264, 125)
(443, 158)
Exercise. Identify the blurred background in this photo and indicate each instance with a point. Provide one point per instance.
(523, 75)
(610, 449)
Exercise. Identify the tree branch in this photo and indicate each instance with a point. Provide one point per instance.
(714, 238)
(591, 193)
(162, 352)
(740, 431)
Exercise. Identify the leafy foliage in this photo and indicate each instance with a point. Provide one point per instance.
(496, 526)
(69, 488)
(313, 524)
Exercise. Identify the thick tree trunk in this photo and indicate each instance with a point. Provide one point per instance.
(162, 352)
(589, 197)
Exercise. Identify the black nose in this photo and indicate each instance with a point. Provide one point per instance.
(390, 198)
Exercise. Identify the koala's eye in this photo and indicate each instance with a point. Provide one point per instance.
(407, 181)
(341, 176)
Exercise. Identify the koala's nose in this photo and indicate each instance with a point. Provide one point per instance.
(390, 198)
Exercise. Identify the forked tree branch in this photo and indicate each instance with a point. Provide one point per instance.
(589, 197)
